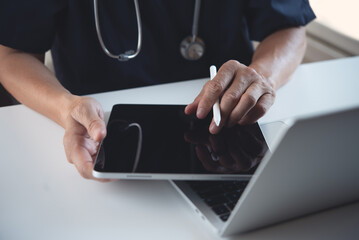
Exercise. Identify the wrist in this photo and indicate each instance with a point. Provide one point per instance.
(265, 73)
(68, 101)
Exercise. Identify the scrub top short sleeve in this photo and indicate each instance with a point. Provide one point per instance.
(267, 16)
(29, 26)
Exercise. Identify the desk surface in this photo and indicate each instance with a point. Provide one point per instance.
(43, 197)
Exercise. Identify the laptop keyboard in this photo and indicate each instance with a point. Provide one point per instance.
(221, 196)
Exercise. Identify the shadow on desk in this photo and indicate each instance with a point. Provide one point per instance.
(337, 223)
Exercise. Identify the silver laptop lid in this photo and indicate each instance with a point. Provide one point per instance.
(314, 167)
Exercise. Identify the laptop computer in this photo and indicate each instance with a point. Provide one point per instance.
(313, 165)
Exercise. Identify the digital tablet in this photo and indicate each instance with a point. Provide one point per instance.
(162, 142)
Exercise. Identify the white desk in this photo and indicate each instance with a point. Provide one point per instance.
(43, 197)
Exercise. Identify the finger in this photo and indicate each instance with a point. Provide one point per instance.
(72, 139)
(246, 103)
(90, 115)
(192, 107)
(80, 150)
(245, 76)
(74, 132)
(213, 128)
(214, 88)
(262, 106)
(83, 161)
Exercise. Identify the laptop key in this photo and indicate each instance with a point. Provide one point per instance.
(221, 196)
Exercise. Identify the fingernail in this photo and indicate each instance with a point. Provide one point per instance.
(201, 113)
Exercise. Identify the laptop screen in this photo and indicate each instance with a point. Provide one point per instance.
(162, 139)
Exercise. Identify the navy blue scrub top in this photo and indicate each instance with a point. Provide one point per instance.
(68, 29)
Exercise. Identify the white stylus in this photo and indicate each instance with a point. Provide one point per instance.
(216, 111)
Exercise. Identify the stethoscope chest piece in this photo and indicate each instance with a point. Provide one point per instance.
(192, 48)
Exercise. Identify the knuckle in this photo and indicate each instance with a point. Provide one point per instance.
(233, 63)
(268, 89)
(93, 124)
(214, 87)
(272, 93)
(232, 97)
(250, 99)
(263, 86)
(81, 107)
(261, 109)
(251, 73)
(77, 111)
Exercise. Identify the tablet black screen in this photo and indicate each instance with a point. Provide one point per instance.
(162, 139)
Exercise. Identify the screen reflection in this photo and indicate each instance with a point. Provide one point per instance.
(233, 150)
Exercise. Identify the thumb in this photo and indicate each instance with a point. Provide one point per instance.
(96, 129)
(90, 115)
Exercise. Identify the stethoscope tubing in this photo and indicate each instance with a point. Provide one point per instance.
(128, 54)
(197, 7)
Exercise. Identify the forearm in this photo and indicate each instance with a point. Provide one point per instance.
(278, 55)
(32, 84)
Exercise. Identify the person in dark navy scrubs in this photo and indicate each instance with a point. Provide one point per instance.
(246, 81)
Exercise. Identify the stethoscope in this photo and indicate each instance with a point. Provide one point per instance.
(191, 48)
